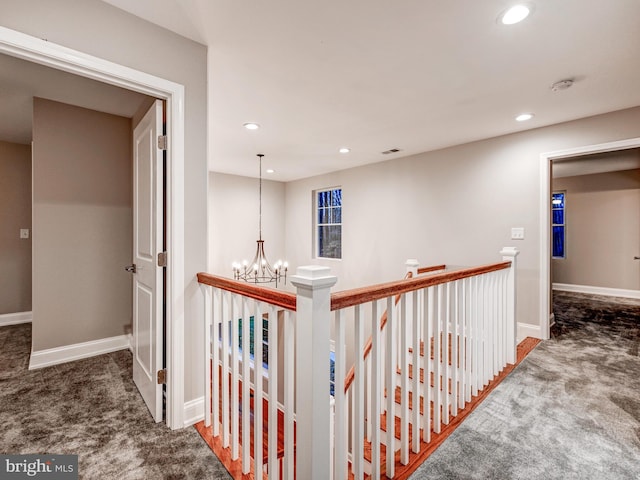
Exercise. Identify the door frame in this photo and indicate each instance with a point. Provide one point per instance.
(545, 215)
(27, 47)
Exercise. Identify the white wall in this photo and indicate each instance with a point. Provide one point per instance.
(602, 230)
(96, 28)
(455, 205)
(82, 225)
(15, 214)
(234, 218)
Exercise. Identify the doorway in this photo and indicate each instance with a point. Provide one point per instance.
(546, 160)
(29, 48)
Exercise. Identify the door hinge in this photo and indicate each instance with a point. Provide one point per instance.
(162, 142)
(162, 376)
(162, 259)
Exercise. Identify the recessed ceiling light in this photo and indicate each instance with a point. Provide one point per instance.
(514, 14)
(523, 117)
(251, 126)
(344, 150)
(270, 170)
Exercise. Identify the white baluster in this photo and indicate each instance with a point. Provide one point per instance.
(273, 468)
(340, 441)
(376, 389)
(216, 360)
(358, 394)
(206, 290)
(391, 385)
(257, 392)
(417, 362)
(235, 379)
(289, 385)
(455, 331)
(404, 381)
(437, 361)
(427, 310)
(246, 387)
(226, 317)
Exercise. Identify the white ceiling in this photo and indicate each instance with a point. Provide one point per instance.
(21, 80)
(417, 75)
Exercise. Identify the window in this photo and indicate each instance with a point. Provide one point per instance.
(332, 373)
(558, 224)
(329, 223)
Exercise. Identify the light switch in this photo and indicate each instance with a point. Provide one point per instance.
(517, 233)
(24, 233)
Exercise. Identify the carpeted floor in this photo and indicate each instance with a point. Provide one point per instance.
(570, 410)
(91, 408)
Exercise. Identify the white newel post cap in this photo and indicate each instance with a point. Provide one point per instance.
(412, 265)
(509, 253)
(313, 276)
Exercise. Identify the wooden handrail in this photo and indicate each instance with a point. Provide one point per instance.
(432, 268)
(443, 278)
(358, 296)
(274, 297)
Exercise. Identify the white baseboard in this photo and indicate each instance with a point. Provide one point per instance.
(527, 330)
(609, 292)
(68, 353)
(193, 411)
(15, 318)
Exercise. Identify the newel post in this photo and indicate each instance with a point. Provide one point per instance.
(510, 254)
(313, 413)
(412, 266)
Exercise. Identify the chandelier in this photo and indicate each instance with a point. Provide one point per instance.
(259, 270)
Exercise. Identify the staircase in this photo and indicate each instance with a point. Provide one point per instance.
(436, 343)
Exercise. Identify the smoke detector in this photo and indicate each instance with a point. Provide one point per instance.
(562, 85)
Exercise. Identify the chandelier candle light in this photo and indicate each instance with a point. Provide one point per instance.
(260, 270)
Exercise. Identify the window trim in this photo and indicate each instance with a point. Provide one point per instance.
(316, 224)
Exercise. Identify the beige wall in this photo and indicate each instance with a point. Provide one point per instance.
(455, 205)
(603, 230)
(15, 214)
(234, 218)
(82, 225)
(99, 29)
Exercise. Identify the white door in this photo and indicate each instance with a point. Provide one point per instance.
(148, 227)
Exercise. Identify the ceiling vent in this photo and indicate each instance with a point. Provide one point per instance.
(562, 85)
(393, 150)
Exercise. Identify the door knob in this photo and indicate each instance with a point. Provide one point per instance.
(636, 258)
(131, 268)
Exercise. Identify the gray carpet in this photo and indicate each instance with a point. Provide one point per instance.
(91, 408)
(570, 410)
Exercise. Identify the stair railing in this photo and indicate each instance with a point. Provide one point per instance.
(446, 335)
(242, 377)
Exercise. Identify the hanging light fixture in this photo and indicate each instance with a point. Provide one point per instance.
(260, 270)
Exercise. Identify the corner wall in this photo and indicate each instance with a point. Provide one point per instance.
(234, 219)
(15, 214)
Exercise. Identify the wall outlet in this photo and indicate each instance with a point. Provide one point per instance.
(24, 233)
(517, 233)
